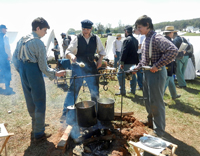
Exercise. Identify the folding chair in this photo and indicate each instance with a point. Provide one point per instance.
(4, 134)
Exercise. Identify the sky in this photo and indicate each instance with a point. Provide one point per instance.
(61, 15)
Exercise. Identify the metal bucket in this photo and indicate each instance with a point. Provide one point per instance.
(105, 109)
(86, 113)
(71, 115)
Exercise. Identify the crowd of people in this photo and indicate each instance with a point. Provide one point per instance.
(147, 48)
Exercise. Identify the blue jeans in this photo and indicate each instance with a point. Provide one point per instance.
(139, 75)
(153, 84)
(180, 70)
(92, 83)
(171, 85)
(116, 59)
(122, 81)
(34, 91)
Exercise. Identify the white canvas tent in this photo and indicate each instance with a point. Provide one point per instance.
(48, 40)
(109, 46)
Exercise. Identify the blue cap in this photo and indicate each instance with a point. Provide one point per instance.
(128, 27)
(86, 24)
(63, 34)
(2, 26)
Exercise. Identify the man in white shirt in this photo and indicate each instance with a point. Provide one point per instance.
(82, 49)
(117, 46)
(140, 39)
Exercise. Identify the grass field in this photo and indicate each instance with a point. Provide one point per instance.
(191, 34)
(182, 116)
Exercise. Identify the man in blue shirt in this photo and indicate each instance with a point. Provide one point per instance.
(30, 61)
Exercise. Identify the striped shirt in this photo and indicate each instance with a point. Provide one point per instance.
(163, 51)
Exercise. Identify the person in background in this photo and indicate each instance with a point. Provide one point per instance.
(162, 53)
(82, 49)
(5, 71)
(128, 58)
(65, 43)
(30, 61)
(169, 32)
(140, 39)
(191, 52)
(117, 46)
(56, 50)
(181, 64)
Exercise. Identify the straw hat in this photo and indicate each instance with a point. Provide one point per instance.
(118, 35)
(169, 29)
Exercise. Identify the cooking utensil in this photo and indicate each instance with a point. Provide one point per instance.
(81, 64)
(105, 109)
(153, 142)
(86, 113)
(68, 73)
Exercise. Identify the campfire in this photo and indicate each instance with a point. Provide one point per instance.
(105, 137)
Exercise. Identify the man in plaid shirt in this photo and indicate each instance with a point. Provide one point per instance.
(163, 52)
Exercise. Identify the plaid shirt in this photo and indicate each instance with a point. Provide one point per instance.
(163, 51)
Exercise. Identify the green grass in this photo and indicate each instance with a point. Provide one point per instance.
(191, 34)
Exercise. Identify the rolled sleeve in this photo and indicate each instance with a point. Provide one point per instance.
(72, 48)
(100, 48)
(42, 60)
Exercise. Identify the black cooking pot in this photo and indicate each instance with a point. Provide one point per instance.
(105, 109)
(86, 113)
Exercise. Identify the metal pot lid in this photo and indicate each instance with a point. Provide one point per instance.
(106, 101)
(153, 142)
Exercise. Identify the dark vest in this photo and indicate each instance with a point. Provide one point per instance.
(86, 51)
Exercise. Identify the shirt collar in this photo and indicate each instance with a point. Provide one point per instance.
(150, 33)
(83, 36)
(35, 35)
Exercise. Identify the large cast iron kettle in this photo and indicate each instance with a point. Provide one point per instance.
(86, 113)
(105, 109)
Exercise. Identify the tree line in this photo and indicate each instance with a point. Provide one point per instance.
(99, 28)
(179, 25)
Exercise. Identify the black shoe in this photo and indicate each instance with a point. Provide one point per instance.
(148, 123)
(177, 96)
(131, 93)
(62, 118)
(119, 94)
(42, 138)
(158, 136)
(181, 86)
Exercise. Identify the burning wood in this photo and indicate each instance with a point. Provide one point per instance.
(100, 138)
